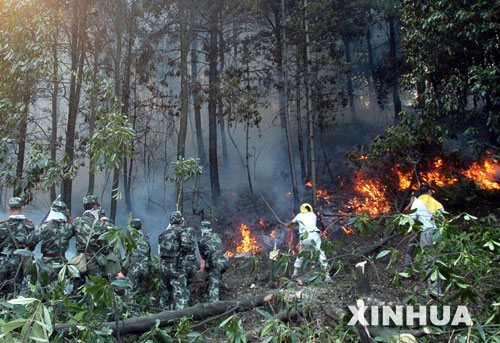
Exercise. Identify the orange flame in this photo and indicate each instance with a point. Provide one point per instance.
(347, 230)
(375, 201)
(273, 234)
(321, 193)
(261, 223)
(248, 243)
(483, 174)
(229, 254)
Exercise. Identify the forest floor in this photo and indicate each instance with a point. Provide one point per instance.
(239, 282)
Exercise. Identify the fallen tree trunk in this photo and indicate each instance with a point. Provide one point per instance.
(138, 325)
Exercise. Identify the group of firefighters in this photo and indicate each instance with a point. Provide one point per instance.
(182, 254)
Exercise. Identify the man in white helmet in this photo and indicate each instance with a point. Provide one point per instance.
(310, 238)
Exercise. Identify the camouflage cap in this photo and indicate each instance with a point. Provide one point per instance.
(59, 206)
(90, 199)
(16, 202)
(136, 223)
(206, 224)
(176, 217)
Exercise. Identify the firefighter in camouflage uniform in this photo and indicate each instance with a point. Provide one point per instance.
(14, 234)
(193, 263)
(172, 272)
(88, 228)
(212, 250)
(54, 234)
(140, 260)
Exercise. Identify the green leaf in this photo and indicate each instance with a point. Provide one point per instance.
(383, 253)
(267, 328)
(22, 301)
(14, 324)
(120, 283)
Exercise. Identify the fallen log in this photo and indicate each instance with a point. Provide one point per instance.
(138, 325)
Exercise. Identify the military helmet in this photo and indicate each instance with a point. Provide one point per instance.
(206, 224)
(59, 206)
(16, 202)
(90, 199)
(136, 223)
(305, 207)
(176, 217)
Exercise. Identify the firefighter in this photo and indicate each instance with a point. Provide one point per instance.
(172, 271)
(14, 233)
(88, 228)
(425, 209)
(54, 234)
(192, 260)
(310, 239)
(140, 260)
(212, 250)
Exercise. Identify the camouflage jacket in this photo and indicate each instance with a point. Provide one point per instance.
(83, 228)
(210, 244)
(21, 228)
(142, 252)
(106, 226)
(169, 242)
(54, 235)
(188, 241)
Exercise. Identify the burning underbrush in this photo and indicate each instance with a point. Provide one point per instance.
(246, 235)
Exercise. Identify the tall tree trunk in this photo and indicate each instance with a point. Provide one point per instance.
(55, 93)
(119, 44)
(212, 107)
(350, 90)
(310, 116)
(371, 66)
(288, 128)
(78, 48)
(395, 82)
(21, 145)
(307, 150)
(299, 117)
(93, 111)
(196, 101)
(279, 72)
(181, 139)
(221, 106)
(127, 171)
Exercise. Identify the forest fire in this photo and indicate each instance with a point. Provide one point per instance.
(320, 193)
(375, 201)
(248, 244)
(483, 174)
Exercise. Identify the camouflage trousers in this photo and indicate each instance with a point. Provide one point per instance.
(175, 283)
(217, 265)
(191, 265)
(10, 269)
(138, 274)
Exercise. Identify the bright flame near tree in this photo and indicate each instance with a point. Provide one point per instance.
(483, 174)
(248, 243)
(375, 201)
